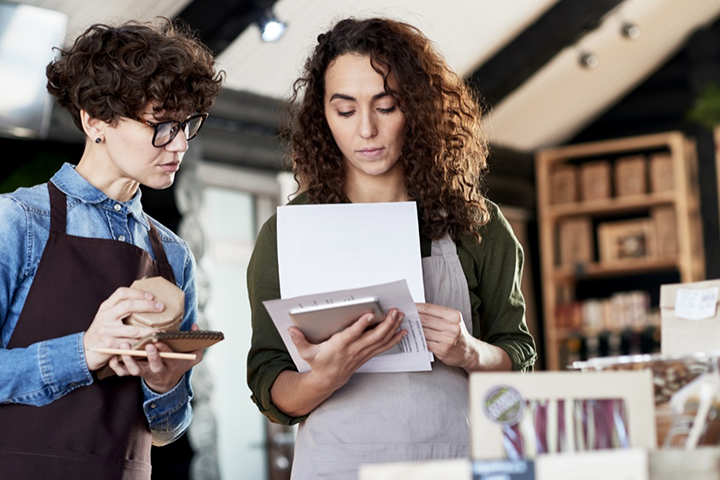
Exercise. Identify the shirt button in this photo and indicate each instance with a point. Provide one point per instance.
(152, 405)
(117, 207)
(121, 238)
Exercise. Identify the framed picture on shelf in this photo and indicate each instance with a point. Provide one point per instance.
(626, 239)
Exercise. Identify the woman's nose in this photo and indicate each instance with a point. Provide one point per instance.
(368, 127)
(178, 144)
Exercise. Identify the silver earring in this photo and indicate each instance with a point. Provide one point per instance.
(98, 140)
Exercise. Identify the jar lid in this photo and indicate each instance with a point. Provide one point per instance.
(165, 292)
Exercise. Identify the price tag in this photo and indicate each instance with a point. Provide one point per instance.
(696, 304)
(503, 470)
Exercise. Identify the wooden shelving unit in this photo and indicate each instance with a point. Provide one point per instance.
(559, 281)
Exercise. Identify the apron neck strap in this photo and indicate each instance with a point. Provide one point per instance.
(58, 209)
(160, 256)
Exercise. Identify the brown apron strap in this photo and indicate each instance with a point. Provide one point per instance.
(160, 256)
(58, 209)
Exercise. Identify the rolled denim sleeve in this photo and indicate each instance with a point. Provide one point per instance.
(45, 371)
(169, 414)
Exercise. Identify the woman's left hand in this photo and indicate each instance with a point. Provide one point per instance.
(446, 335)
(161, 375)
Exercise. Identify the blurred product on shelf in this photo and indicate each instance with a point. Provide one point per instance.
(626, 239)
(576, 241)
(630, 176)
(564, 184)
(663, 219)
(661, 172)
(595, 180)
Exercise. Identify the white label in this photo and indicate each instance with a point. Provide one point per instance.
(696, 304)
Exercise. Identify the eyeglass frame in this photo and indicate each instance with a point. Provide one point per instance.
(181, 126)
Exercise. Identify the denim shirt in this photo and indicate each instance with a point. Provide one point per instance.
(48, 370)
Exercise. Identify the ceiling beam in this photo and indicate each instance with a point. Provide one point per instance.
(219, 22)
(560, 26)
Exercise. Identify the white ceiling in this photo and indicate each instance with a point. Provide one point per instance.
(467, 32)
(553, 105)
(562, 98)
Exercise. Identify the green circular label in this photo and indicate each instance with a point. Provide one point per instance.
(504, 405)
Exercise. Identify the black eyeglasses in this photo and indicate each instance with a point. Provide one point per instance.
(165, 132)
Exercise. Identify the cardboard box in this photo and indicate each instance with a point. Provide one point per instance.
(459, 469)
(661, 173)
(630, 176)
(595, 180)
(500, 401)
(680, 464)
(629, 464)
(626, 239)
(563, 184)
(576, 241)
(690, 317)
(666, 240)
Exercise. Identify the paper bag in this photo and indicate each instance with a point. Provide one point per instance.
(690, 317)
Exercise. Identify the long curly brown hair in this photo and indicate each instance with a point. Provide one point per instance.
(112, 72)
(445, 152)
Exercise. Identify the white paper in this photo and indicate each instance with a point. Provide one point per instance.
(325, 248)
(414, 357)
(696, 304)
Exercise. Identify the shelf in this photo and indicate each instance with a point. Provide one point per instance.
(565, 227)
(611, 205)
(620, 268)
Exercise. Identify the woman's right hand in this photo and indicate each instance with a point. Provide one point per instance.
(336, 359)
(333, 362)
(107, 329)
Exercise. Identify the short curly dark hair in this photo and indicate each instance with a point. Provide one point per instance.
(112, 72)
(445, 152)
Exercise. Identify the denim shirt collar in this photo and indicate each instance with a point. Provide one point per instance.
(75, 185)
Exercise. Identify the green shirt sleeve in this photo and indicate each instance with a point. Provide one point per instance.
(493, 269)
(268, 356)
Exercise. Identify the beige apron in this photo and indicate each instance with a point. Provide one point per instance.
(392, 417)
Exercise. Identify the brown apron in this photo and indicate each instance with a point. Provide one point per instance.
(97, 431)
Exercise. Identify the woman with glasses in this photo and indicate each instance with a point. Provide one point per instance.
(70, 248)
(379, 117)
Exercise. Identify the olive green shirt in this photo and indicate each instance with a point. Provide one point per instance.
(493, 269)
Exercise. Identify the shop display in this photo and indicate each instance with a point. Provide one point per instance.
(522, 416)
(631, 234)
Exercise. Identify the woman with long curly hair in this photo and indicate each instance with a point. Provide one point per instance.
(71, 247)
(379, 117)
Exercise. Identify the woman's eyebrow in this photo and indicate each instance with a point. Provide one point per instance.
(342, 96)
